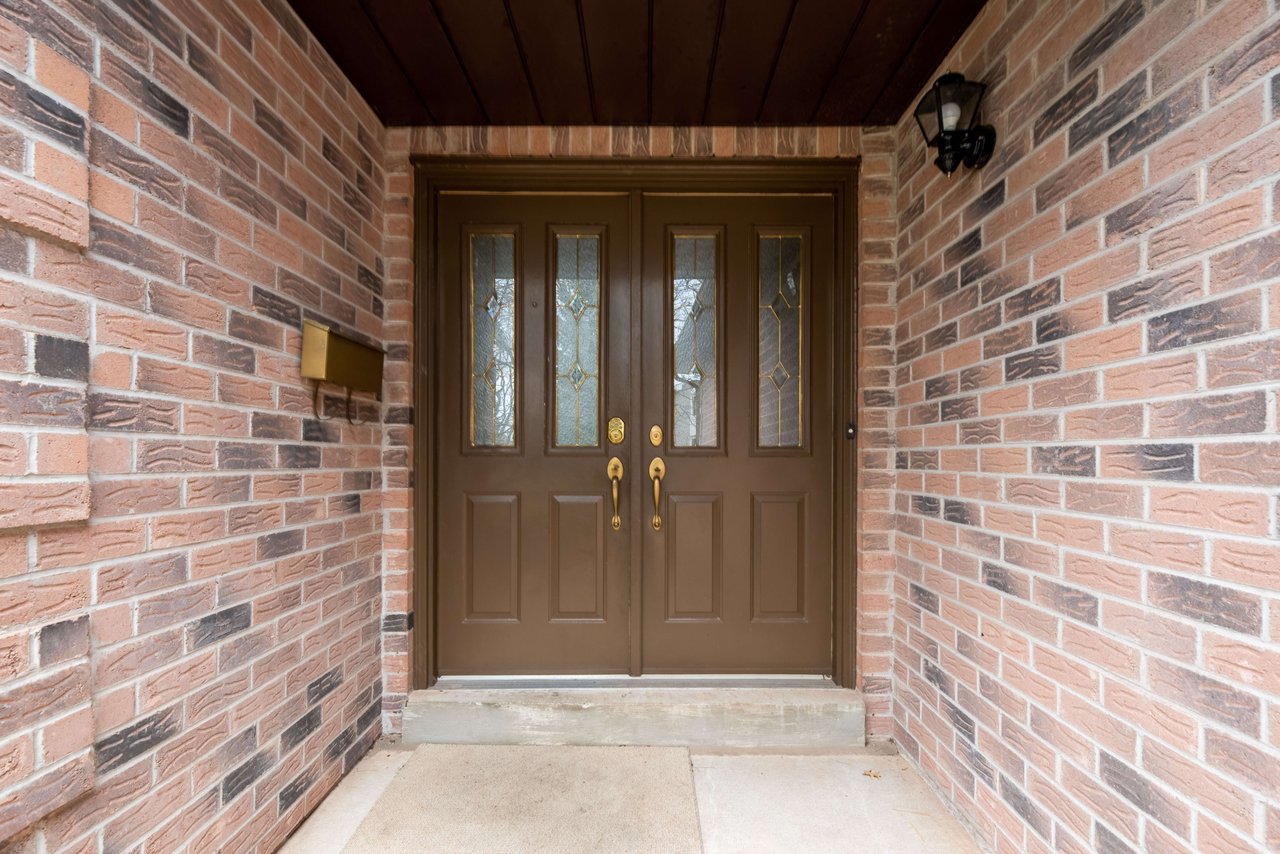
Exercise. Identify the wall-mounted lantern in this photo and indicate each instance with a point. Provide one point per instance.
(948, 116)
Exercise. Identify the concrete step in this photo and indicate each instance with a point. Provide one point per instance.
(721, 713)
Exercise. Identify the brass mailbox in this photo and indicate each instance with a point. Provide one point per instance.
(331, 357)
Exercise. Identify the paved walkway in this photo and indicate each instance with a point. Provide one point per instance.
(812, 802)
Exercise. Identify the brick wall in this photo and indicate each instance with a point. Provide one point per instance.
(1087, 619)
(189, 558)
(877, 228)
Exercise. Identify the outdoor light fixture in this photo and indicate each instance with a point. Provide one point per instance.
(948, 115)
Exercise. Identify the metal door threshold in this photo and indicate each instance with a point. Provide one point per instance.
(561, 682)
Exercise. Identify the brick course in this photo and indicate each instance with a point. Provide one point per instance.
(1081, 653)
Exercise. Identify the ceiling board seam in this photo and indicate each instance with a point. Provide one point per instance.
(777, 57)
(835, 69)
(586, 61)
(462, 66)
(524, 60)
(711, 69)
(395, 57)
(889, 81)
(648, 59)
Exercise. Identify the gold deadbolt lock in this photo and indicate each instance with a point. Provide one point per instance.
(617, 431)
(655, 435)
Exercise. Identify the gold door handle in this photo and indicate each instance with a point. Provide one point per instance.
(615, 477)
(657, 470)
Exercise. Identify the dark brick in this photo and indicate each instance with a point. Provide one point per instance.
(125, 745)
(284, 193)
(1154, 123)
(340, 743)
(1036, 298)
(1253, 58)
(1171, 199)
(926, 505)
(220, 353)
(62, 358)
(924, 599)
(280, 543)
(219, 625)
(14, 251)
(273, 425)
(990, 200)
(1102, 37)
(323, 685)
(1065, 460)
(241, 456)
(243, 776)
(1006, 580)
(300, 457)
(963, 248)
(131, 248)
(254, 329)
(1031, 364)
(924, 460)
(936, 387)
(370, 715)
(1217, 415)
(294, 734)
(1035, 818)
(963, 723)
(959, 512)
(345, 504)
(159, 24)
(959, 408)
(369, 279)
(395, 623)
(978, 267)
(294, 789)
(288, 21)
(871, 397)
(320, 431)
(1074, 603)
(942, 336)
(1066, 108)
(1164, 462)
(1228, 317)
(138, 415)
(1156, 292)
(1144, 794)
(1246, 264)
(1108, 842)
(248, 199)
(64, 641)
(52, 117)
(1110, 111)
(145, 173)
(277, 129)
(936, 677)
(979, 763)
(1206, 602)
(1053, 327)
(980, 432)
(227, 153)
(277, 307)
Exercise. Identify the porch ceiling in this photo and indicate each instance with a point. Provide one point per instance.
(637, 62)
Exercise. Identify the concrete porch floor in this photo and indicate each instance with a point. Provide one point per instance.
(855, 800)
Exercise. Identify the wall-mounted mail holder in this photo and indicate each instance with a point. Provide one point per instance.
(331, 357)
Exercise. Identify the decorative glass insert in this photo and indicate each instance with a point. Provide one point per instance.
(493, 341)
(781, 358)
(693, 316)
(577, 341)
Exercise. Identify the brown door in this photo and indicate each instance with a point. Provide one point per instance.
(725, 350)
(737, 372)
(533, 355)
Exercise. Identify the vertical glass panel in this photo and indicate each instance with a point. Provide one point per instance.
(493, 341)
(781, 368)
(693, 317)
(577, 341)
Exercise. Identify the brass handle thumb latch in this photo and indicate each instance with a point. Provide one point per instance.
(657, 471)
(614, 471)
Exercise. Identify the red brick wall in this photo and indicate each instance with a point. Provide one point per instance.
(1087, 629)
(189, 559)
(877, 229)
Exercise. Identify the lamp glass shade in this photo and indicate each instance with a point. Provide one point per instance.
(950, 106)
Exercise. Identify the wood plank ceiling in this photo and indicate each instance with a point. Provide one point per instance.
(638, 62)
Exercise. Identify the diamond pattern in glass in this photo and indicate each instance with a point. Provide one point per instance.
(577, 359)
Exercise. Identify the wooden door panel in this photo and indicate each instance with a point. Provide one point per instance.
(778, 535)
(577, 557)
(695, 543)
(493, 557)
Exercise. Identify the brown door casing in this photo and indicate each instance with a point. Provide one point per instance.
(520, 570)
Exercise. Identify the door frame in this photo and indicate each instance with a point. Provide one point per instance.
(434, 176)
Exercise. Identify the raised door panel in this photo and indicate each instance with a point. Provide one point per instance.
(777, 557)
(493, 557)
(577, 586)
(694, 562)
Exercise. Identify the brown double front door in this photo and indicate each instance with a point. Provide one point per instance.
(634, 433)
